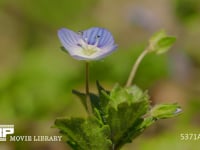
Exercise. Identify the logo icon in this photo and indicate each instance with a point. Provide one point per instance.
(5, 130)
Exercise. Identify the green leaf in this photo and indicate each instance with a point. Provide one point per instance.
(93, 98)
(157, 36)
(99, 102)
(85, 134)
(119, 116)
(165, 44)
(104, 100)
(160, 42)
(135, 130)
(95, 101)
(97, 108)
(82, 97)
(119, 95)
(137, 94)
(125, 117)
(127, 106)
(130, 134)
(164, 111)
(129, 95)
(148, 121)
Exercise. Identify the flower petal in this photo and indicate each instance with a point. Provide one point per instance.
(69, 39)
(97, 56)
(107, 51)
(106, 39)
(98, 40)
(89, 36)
(79, 57)
(103, 36)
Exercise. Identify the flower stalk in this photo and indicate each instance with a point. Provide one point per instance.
(87, 89)
(135, 67)
(159, 43)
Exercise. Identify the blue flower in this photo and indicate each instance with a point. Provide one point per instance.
(92, 44)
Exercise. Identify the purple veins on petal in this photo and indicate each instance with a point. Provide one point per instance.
(89, 35)
(91, 44)
(100, 35)
(106, 40)
(68, 38)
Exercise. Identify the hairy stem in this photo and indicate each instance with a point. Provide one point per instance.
(135, 67)
(87, 90)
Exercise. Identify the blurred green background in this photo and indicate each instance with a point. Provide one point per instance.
(36, 78)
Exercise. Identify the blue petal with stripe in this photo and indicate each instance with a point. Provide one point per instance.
(103, 36)
(69, 39)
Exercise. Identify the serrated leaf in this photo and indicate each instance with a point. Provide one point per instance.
(98, 109)
(119, 95)
(126, 108)
(104, 100)
(82, 97)
(164, 111)
(92, 97)
(130, 95)
(137, 94)
(130, 134)
(85, 134)
(99, 102)
(122, 118)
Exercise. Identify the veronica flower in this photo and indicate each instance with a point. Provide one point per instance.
(92, 44)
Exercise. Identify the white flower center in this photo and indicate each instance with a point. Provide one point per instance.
(89, 49)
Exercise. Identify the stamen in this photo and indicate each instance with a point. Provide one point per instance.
(78, 44)
(88, 49)
(97, 40)
(97, 36)
(80, 32)
(85, 39)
